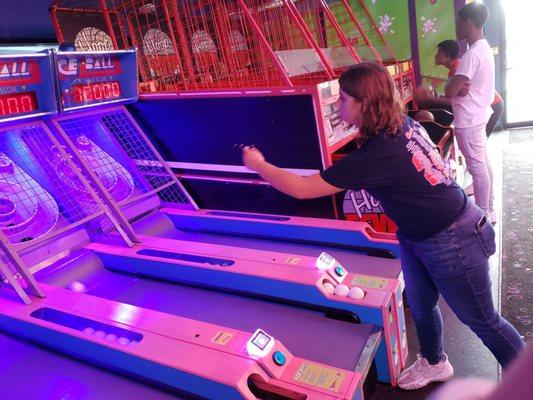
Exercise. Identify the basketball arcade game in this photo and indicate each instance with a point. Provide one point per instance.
(46, 226)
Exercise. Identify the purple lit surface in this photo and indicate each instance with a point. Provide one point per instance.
(306, 334)
(28, 371)
(352, 261)
(27, 211)
(113, 176)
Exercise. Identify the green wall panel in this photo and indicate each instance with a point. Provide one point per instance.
(393, 17)
(435, 20)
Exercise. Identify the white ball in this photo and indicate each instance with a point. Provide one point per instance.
(124, 341)
(88, 331)
(341, 290)
(329, 288)
(111, 337)
(77, 287)
(356, 293)
(99, 334)
(134, 343)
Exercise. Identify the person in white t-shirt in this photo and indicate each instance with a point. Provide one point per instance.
(472, 112)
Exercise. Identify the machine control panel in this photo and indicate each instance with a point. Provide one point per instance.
(26, 82)
(89, 79)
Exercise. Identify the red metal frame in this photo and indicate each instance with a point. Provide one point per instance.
(344, 39)
(264, 43)
(252, 40)
(108, 23)
(356, 22)
(55, 24)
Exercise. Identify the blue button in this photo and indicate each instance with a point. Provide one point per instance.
(339, 271)
(279, 358)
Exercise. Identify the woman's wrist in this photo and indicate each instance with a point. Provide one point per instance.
(261, 167)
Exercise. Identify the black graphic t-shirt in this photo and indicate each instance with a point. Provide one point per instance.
(407, 175)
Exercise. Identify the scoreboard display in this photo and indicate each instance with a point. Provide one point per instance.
(89, 79)
(27, 86)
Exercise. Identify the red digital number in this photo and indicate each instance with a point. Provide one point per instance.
(107, 90)
(78, 97)
(13, 105)
(116, 89)
(26, 103)
(17, 103)
(87, 93)
(96, 92)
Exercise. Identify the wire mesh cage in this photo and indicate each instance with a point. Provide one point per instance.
(18, 278)
(327, 33)
(8, 273)
(148, 26)
(289, 40)
(42, 194)
(198, 44)
(121, 157)
(224, 44)
(225, 47)
(355, 30)
(88, 25)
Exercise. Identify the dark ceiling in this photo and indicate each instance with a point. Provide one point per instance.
(25, 21)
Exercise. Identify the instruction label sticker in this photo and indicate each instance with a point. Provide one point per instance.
(222, 338)
(320, 376)
(368, 281)
(293, 260)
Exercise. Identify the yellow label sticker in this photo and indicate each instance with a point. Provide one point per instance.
(368, 281)
(292, 260)
(319, 376)
(222, 338)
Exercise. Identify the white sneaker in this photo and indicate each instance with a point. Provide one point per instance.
(421, 373)
(493, 217)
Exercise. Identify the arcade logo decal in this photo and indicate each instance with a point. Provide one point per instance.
(362, 207)
(202, 42)
(162, 59)
(19, 72)
(88, 66)
(237, 41)
(157, 43)
(93, 39)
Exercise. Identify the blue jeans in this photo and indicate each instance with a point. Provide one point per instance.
(454, 263)
(473, 144)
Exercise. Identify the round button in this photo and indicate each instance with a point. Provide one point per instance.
(339, 271)
(279, 358)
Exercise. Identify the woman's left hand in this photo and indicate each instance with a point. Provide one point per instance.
(252, 158)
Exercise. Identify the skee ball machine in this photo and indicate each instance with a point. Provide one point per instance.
(112, 151)
(56, 292)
